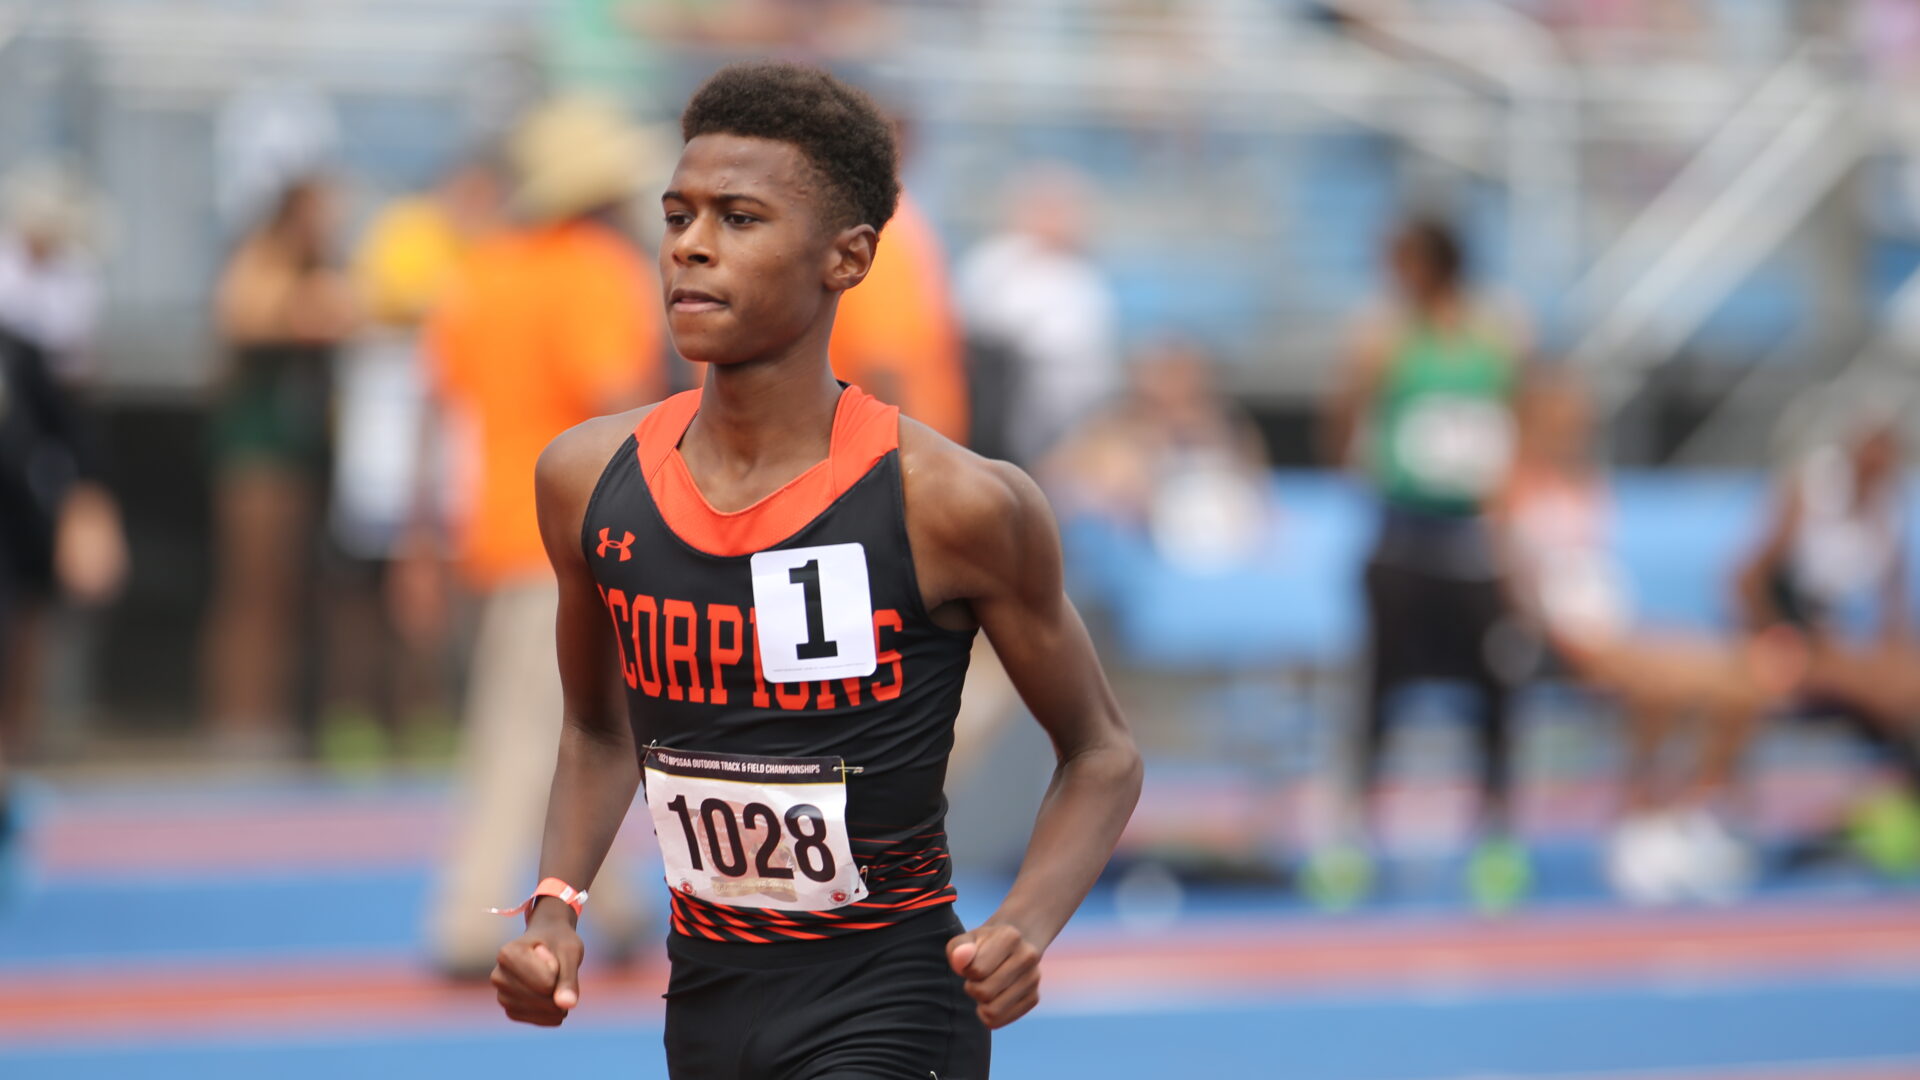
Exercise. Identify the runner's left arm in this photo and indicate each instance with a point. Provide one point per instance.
(1008, 568)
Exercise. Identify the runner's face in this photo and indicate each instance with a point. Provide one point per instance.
(747, 264)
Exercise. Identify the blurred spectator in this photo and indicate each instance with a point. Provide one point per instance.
(1424, 406)
(1040, 319)
(550, 323)
(1169, 456)
(1555, 527)
(49, 282)
(416, 245)
(411, 252)
(1172, 456)
(1831, 570)
(59, 528)
(49, 302)
(896, 336)
(282, 309)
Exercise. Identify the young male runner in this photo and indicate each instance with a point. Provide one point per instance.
(793, 575)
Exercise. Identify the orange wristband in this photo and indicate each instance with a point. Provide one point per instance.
(553, 886)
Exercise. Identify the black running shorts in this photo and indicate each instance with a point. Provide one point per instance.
(879, 1005)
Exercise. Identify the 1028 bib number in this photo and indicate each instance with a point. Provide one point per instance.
(766, 832)
(804, 822)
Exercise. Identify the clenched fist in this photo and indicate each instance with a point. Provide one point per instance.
(1002, 969)
(537, 977)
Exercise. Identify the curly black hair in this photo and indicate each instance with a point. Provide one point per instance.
(839, 129)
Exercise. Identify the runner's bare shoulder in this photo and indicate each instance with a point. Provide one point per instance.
(571, 465)
(963, 507)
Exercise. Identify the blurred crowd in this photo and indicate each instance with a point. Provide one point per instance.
(378, 405)
(613, 44)
(383, 391)
(1492, 566)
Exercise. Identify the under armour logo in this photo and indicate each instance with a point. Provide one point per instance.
(621, 545)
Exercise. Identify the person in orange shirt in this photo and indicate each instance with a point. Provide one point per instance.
(549, 324)
(897, 336)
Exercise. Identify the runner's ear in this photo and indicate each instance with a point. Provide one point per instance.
(853, 251)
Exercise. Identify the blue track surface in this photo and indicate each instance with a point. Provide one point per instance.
(1559, 1031)
(1797, 1017)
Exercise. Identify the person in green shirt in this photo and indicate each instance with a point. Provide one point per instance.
(1423, 409)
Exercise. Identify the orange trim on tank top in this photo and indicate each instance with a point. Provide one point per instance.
(864, 431)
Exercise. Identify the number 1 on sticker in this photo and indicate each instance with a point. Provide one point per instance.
(816, 647)
(814, 610)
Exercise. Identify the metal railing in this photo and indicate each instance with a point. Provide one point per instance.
(1721, 217)
(1779, 405)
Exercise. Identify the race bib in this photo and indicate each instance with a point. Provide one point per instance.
(814, 613)
(765, 832)
(1458, 445)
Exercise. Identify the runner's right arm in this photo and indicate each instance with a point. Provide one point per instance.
(597, 772)
(1356, 382)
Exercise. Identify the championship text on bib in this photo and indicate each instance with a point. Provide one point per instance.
(763, 832)
(814, 613)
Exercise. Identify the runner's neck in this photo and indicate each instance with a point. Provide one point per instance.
(759, 426)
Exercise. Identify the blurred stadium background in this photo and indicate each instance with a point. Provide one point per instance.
(1707, 209)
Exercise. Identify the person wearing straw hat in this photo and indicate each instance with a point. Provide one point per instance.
(550, 322)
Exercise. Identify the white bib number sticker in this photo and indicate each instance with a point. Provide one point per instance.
(1457, 444)
(765, 832)
(814, 613)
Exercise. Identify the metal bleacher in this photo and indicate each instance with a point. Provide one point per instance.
(1678, 534)
(1249, 154)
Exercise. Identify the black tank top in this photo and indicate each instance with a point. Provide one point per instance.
(676, 578)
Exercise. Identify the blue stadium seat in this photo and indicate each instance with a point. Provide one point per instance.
(1678, 534)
